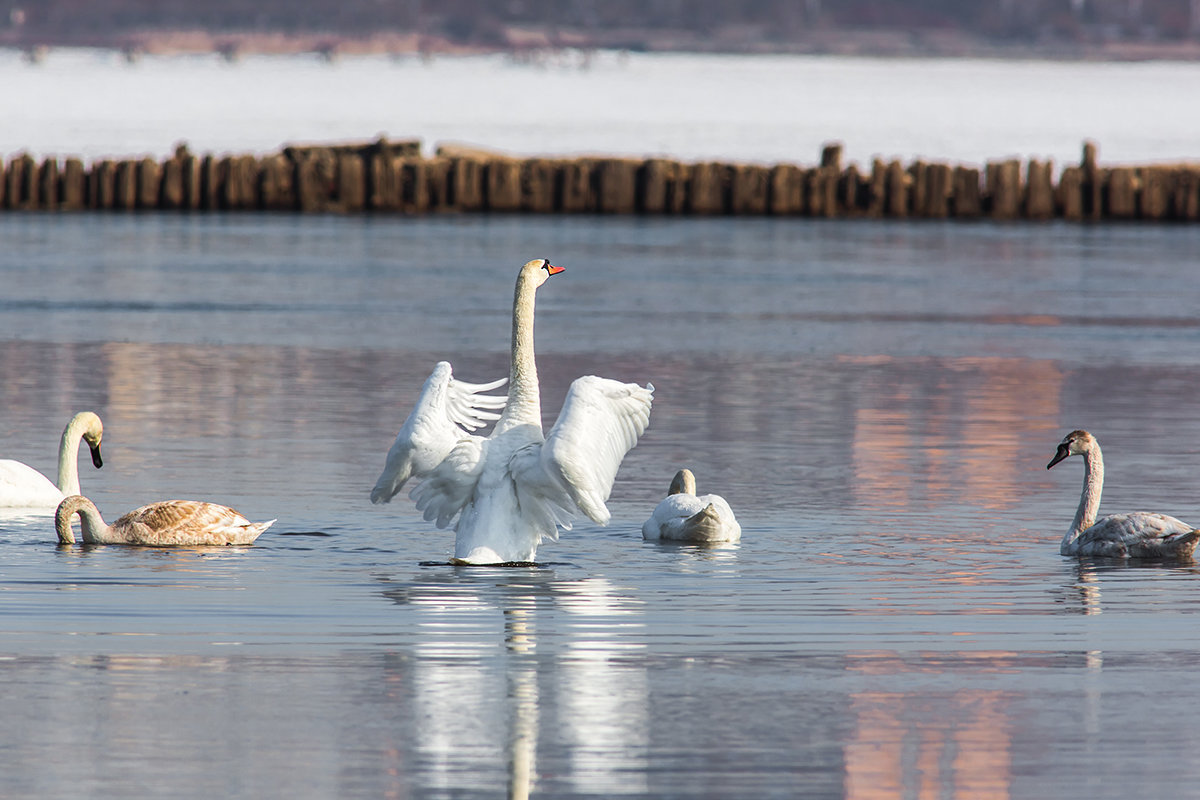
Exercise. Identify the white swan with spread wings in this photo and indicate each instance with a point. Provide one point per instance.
(516, 487)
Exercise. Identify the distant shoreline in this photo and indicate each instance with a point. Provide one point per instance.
(530, 42)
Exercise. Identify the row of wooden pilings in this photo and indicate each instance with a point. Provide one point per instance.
(385, 176)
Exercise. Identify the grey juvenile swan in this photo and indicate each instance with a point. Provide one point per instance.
(1137, 535)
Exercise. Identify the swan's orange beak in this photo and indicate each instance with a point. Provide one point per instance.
(553, 270)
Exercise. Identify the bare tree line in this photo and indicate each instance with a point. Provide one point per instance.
(487, 22)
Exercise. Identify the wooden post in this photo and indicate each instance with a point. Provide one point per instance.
(125, 186)
(209, 184)
(28, 192)
(1004, 188)
(102, 188)
(1122, 193)
(466, 184)
(750, 188)
(48, 184)
(578, 186)
(1154, 197)
(898, 182)
(275, 186)
(539, 186)
(74, 186)
(437, 184)
(189, 168)
(616, 185)
(831, 156)
(786, 190)
(1092, 183)
(414, 198)
(1039, 190)
(383, 183)
(1185, 194)
(851, 192)
(1069, 197)
(171, 188)
(967, 200)
(918, 192)
(708, 189)
(352, 187)
(149, 182)
(876, 200)
(503, 184)
(12, 185)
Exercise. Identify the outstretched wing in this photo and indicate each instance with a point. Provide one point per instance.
(445, 411)
(600, 422)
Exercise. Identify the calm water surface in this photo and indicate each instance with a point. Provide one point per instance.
(877, 401)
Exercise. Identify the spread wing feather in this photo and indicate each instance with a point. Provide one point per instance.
(600, 422)
(446, 410)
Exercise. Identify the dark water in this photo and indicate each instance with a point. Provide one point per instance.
(877, 402)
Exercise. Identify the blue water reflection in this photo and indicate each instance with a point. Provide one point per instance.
(877, 401)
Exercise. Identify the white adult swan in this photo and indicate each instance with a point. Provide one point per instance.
(22, 486)
(1137, 535)
(684, 517)
(514, 488)
(170, 523)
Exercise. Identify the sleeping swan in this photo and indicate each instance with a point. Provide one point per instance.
(517, 486)
(684, 517)
(22, 486)
(166, 524)
(1137, 535)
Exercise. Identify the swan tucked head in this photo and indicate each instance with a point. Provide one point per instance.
(539, 270)
(684, 482)
(1075, 443)
(92, 434)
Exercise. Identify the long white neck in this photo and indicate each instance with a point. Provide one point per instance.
(524, 396)
(68, 456)
(1089, 501)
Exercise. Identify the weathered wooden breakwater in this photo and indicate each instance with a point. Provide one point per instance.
(394, 177)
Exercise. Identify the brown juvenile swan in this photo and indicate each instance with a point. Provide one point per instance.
(170, 523)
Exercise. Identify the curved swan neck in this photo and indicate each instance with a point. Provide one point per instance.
(91, 523)
(524, 395)
(1089, 500)
(68, 455)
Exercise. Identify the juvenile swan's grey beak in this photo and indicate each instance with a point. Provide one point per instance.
(1059, 456)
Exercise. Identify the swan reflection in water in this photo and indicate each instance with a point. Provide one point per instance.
(529, 651)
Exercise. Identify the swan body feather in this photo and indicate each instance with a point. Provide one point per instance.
(169, 523)
(682, 516)
(507, 492)
(1140, 534)
(22, 486)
